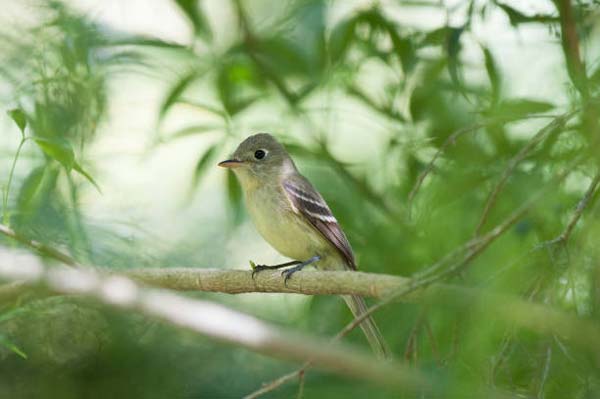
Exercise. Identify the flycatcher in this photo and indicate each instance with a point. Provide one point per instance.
(293, 217)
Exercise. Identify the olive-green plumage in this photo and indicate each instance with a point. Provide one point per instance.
(293, 217)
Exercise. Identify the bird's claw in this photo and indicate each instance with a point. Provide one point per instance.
(257, 268)
(288, 275)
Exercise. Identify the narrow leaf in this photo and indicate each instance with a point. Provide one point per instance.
(493, 73)
(192, 10)
(85, 174)
(176, 91)
(8, 344)
(522, 107)
(340, 39)
(58, 149)
(516, 17)
(19, 117)
(29, 190)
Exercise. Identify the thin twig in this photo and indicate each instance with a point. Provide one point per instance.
(42, 249)
(521, 155)
(452, 140)
(433, 342)
(411, 343)
(583, 203)
(301, 384)
(278, 382)
(545, 373)
(473, 248)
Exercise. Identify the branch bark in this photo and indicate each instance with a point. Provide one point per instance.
(210, 319)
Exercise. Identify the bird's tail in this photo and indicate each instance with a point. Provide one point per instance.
(358, 307)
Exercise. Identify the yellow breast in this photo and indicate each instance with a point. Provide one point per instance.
(287, 232)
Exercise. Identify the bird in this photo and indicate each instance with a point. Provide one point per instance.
(292, 216)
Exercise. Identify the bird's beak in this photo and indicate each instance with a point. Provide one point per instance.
(231, 163)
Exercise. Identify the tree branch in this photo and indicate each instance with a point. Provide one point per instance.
(209, 319)
(42, 249)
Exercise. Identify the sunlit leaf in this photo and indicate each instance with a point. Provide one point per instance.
(237, 82)
(58, 149)
(19, 117)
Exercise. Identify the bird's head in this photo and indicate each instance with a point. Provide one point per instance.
(259, 158)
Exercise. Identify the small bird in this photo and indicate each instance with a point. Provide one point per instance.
(293, 218)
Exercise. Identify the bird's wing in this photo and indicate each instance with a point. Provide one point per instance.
(307, 201)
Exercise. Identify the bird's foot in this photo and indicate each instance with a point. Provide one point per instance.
(259, 268)
(289, 272)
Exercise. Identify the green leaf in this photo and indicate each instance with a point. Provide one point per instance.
(595, 76)
(453, 48)
(521, 107)
(29, 190)
(15, 312)
(85, 174)
(436, 37)
(8, 344)
(61, 150)
(19, 117)
(341, 38)
(403, 46)
(237, 83)
(58, 149)
(234, 195)
(517, 17)
(140, 40)
(192, 10)
(493, 73)
(203, 162)
(176, 91)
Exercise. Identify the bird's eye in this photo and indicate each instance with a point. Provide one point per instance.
(259, 154)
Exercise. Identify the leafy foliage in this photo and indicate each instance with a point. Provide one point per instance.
(415, 135)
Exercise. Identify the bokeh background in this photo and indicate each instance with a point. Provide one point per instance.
(117, 113)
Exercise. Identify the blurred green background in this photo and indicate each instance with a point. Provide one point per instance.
(117, 113)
